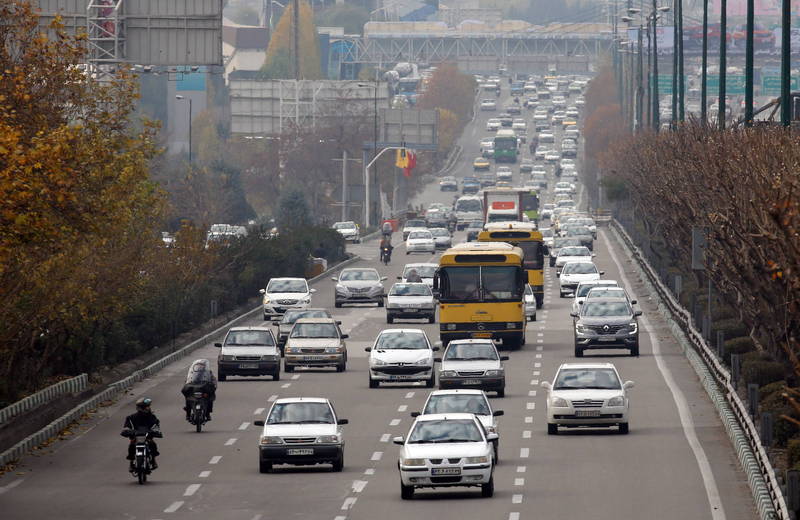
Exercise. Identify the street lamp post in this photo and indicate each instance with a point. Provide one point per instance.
(179, 97)
(786, 56)
(723, 61)
(681, 79)
(656, 101)
(704, 68)
(373, 86)
(748, 66)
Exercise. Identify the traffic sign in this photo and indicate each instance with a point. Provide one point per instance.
(734, 84)
(771, 85)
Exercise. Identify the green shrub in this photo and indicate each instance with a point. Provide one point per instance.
(782, 430)
(778, 387)
(732, 327)
(740, 345)
(761, 370)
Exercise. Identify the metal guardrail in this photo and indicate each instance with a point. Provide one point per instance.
(754, 459)
(73, 385)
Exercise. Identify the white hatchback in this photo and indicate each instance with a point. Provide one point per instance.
(420, 241)
(410, 301)
(574, 273)
(572, 254)
(285, 293)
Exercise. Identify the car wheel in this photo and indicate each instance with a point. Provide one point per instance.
(552, 262)
(337, 305)
(623, 428)
(389, 319)
(342, 367)
(338, 464)
(264, 467)
(496, 448)
(487, 490)
(431, 319)
(552, 429)
(374, 383)
(406, 492)
(501, 392)
(533, 318)
(266, 318)
(578, 352)
(222, 376)
(276, 376)
(561, 294)
(288, 368)
(430, 383)
(635, 351)
(380, 303)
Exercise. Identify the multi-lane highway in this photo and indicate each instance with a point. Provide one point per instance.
(676, 462)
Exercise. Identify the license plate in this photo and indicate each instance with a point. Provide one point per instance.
(248, 365)
(446, 471)
(300, 451)
(472, 382)
(313, 358)
(400, 378)
(587, 413)
(608, 339)
(410, 310)
(481, 334)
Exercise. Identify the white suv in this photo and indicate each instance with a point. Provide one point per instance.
(401, 356)
(285, 293)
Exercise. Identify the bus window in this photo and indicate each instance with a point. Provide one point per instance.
(500, 283)
(460, 283)
(534, 254)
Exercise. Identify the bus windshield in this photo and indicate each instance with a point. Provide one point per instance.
(480, 283)
(534, 254)
(505, 143)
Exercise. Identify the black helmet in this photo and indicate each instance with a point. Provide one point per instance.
(143, 404)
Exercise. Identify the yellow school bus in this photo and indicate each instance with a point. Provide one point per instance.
(527, 237)
(480, 288)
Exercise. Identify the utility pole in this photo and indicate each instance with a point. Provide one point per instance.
(748, 66)
(656, 104)
(639, 82)
(674, 114)
(723, 60)
(344, 184)
(681, 85)
(704, 68)
(649, 74)
(296, 38)
(786, 56)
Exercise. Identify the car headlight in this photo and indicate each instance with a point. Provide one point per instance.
(447, 373)
(269, 357)
(451, 326)
(293, 350)
(580, 329)
(306, 300)
(333, 350)
(616, 401)
(494, 373)
(266, 300)
(634, 327)
(377, 288)
(396, 306)
(378, 362)
(491, 429)
(511, 325)
(559, 402)
(266, 439)
(227, 358)
(476, 460)
(423, 361)
(412, 462)
(329, 439)
(341, 288)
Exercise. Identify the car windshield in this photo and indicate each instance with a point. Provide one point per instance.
(356, 275)
(475, 225)
(579, 268)
(546, 233)
(247, 338)
(445, 430)
(562, 242)
(401, 341)
(415, 223)
(287, 286)
(344, 225)
(410, 289)
(592, 308)
(578, 230)
(314, 330)
(424, 271)
(440, 232)
(292, 316)
(420, 235)
(471, 352)
(457, 403)
(300, 413)
(574, 251)
(584, 288)
(606, 292)
(587, 378)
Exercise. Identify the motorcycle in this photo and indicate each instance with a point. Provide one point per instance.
(198, 411)
(386, 255)
(143, 460)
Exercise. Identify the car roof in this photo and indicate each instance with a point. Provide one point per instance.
(445, 416)
(396, 331)
(253, 327)
(587, 365)
(612, 283)
(609, 300)
(456, 391)
(360, 269)
(302, 400)
(287, 278)
(472, 341)
(422, 284)
(316, 320)
(421, 264)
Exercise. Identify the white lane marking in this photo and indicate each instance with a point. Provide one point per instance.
(519, 481)
(526, 434)
(524, 453)
(340, 518)
(531, 393)
(539, 341)
(538, 356)
(409, 395)
(174, 506)
(513, 516)
(369, 471)
(349, 502)
(540, 334)
(376, 455)
(272, 398)
(204, 474)
(684, 412)
(259, 411)
(257, 517)
(522, 469)
(530, 406)
(516, 499)
(385, 437)
(534, 381)
(215, 459)
(191, 489)
(244, 425)
(231, 441)
(539, 348)
(537, 364)
(296, 377)
(286, 385)
(528, 419)
(358, 485)
(541, 327)
(11, 486)
(394, 422)
(537, 373)
(402, 408)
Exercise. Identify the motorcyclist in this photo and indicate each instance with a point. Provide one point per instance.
(143, 420)
(413, 277)
(200, 379)
(386, 245)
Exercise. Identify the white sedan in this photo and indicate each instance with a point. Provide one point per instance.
(572, 254)
(444, 450)
(410, 301)
(442, 238)
(493, 125)
(574, 273)
(401, 356)
(587, 395)
(420, 241)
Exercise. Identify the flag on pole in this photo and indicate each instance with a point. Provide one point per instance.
(411, 162)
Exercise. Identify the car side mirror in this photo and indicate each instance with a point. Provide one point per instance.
(637, 313)
(338, 322)
(437, 360)
(492, 437)
(415, 414)
(218, 345)
(334, 279)
(398, 440)
(262, 291)
(258, 423)
(594, 255)
(312, 291)
(367, 349)
(342, 421)
(633, 302)
(383, 278)
(580, 303)
(399, 277)
(498, 413)
(345, 336)
(503, 358)
(602, 273)
(573, 314)
(546, 384)
(628, 385)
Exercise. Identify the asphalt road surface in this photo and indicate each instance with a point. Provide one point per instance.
(676, 463)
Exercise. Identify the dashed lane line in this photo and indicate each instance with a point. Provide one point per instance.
(272, 398)
(537, 373)
(215, 459)
(519, 481)
(394, 422)
(513, 516)
(286, 385)
(385, 437)
(259, 411)
(531, 393)
(244, 425)
(296, 377)
(537, 365)
(191, 489)
(524, 453)
(349, 502)
(376, 456)
(529, 419)
(174, 506)
(409, 395)
(539, 349)
(516, 499)
(522, 469)
(530, 406)
(359, 485)
(204, 474)
(402, 408)
(369, 471)
(231, 441)
(526, 434)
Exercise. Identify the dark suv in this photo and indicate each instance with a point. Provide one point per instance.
(606, 323)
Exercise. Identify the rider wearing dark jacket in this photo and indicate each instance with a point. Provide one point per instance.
(200, 379)
(143, 420)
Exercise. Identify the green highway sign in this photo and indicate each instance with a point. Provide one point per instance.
(771, 85)
(734, 84)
